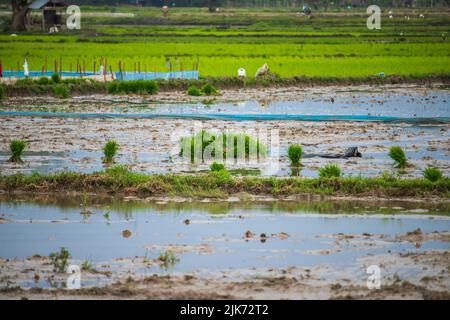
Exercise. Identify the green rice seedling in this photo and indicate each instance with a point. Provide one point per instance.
(56, 78)
(295, 153)
(61, 91)
(208, 89)
(167, 259)
(330, 171)
(17, 147)
(398, 155)
(110, 150)
(216, 167)
(86, 265)
(432, 174)
(60, 260)
(230, 144)
(193, 91)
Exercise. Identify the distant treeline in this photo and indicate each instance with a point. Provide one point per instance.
(273, 3)
(261, 3)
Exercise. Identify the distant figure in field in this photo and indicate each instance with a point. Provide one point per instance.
(263, 71)
(165, 11)
(306, 9)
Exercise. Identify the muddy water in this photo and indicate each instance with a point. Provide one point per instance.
(410, 106)
(209, 237)
(69, 135)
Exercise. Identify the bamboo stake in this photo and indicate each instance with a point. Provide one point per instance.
(112, 74)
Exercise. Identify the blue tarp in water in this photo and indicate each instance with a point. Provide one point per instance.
(127, 76)
(222, 116)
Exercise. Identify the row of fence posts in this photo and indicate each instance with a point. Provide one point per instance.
(81, 68)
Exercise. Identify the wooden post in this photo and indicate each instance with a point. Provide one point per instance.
(60, 66)
(94, 69)
(112, 74)
(56, 66)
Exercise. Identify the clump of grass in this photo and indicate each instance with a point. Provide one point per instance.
(295, 153)
(110, 150)
(208, 89)
(216, 167)
(193, 91)
(2, 92)
(167, 259)
(330, 171)
(388, 176)
(230, 144)
(43, 81)
(118, 169)
(86, 265)
(56, 78)
(60, 260)
(61, 91)
(398, 155)
(432, 174)
(17, 147)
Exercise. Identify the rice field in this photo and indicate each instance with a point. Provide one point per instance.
(330, 45)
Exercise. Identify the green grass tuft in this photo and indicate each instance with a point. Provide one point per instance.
(134, 86)
(295, 153)
(56, 78)
(2, 92)
(203, 146)
(60, 260)
(61, 91)
(193, 91)
(432, 174)
(330, 171)
(398, 155)
(208, 89)
(215, 167)
(110, 150)
(17, 147)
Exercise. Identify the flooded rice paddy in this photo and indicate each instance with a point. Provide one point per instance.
(238, 239)
(240, 247)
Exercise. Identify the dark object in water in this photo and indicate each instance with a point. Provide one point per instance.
(351, 152)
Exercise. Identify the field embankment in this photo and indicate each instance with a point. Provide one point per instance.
(219, 185)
